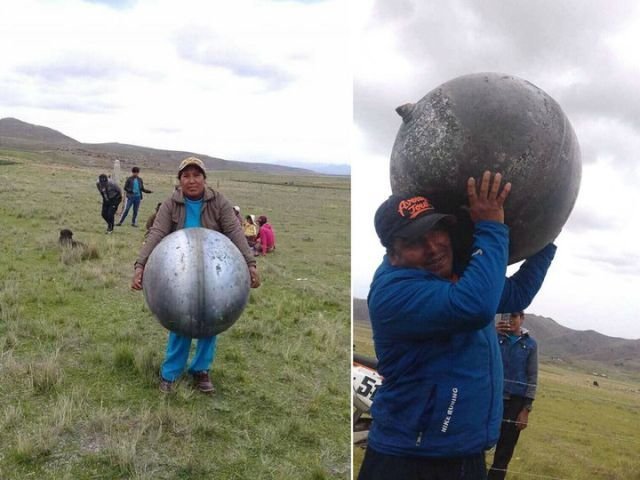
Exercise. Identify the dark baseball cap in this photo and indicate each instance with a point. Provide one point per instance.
(103, 178)
(408, 217)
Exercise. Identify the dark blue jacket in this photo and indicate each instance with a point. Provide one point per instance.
(520, 365)
(438, 351)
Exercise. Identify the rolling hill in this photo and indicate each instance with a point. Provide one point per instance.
(18, 135)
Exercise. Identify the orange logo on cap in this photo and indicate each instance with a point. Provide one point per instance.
(412, 207)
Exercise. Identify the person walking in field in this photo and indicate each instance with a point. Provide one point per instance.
(133, 187)
(439, 407)
(111, 197)
(519, 353)
(192, 205)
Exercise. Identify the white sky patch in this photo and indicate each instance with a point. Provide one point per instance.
(251, 80)
(369, 188)
(623, 44)
(592, 72)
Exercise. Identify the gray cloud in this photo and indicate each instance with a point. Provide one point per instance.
(614, 95)
(207, 48)
(583, 220)
(614, 262)
(14, 92)
(74, 103)
(374, 112)
(81, 65)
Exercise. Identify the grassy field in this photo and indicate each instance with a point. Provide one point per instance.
(80, 352)
(577, 431)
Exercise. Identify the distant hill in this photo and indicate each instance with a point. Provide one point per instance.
(561, 344)
(16, 134)
(130, 155)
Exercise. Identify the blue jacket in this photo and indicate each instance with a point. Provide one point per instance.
(438, 351)
(520, 365)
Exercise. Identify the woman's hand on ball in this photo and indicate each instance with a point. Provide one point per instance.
(255, 277)
(136, 282)
(487, 203)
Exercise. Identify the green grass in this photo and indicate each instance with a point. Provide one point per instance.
(577, 431)
(80, 352)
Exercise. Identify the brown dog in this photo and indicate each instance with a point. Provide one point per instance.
(66, 239)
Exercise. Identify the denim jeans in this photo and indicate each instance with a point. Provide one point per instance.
(177, 355)
(135, 201)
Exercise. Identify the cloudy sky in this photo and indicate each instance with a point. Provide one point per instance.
(251, 80)
(585, 55)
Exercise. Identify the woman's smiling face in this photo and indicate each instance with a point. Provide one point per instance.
(192, 182)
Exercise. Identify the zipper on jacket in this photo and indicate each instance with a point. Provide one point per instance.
(491, 384)
(419, 439)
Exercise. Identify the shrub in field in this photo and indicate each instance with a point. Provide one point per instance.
(147, 364)
(45, 375)
(11, 416)
(91, 253)
(31, 449)
(70, 256)
(9, 341)
(9, 301)
(63, 414)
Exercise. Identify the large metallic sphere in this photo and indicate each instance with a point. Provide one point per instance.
(496, 122)
(196, 282)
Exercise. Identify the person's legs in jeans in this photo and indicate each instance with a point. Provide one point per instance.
(126, 211)
(176, 357)
(136, 205)
(205, 352)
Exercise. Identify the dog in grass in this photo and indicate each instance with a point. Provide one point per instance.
(66, 240)
(74, 251)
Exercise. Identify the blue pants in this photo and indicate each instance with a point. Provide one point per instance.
(178, 353)
(135, 201)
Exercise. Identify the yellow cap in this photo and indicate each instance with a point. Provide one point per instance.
(191, 161)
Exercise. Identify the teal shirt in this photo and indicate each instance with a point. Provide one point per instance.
(136, 188)
(194, 208)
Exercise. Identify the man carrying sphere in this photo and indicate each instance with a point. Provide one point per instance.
(193, 205)
(440, 404)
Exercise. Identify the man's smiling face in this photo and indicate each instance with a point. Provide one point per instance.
(433, 252)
